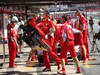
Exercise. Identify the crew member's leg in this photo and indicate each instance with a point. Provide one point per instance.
(72, 51)
(53, 55)
(12, 54)
(85, 40)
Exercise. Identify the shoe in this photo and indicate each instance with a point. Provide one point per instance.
(12, 66)
(17, 56)
(85, 61)
(78, 70)
(63, 72)
(46, 69)
(1, 65)
(59, 67)
(34, 58)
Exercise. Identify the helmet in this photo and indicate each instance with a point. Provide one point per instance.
(14, 19)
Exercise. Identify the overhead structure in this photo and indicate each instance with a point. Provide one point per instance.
(44, 2)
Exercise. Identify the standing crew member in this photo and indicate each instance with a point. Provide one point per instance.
(58, 36)
(20, 34)
(91, 23)
(83, 27)
(12, 41)
(32, 54)
(79, 41)
(68, 39)
(47, 26)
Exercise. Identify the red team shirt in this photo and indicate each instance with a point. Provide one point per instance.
(32, 22)
(68, 30)
(45, 26)
(11, 32)
(58, 31)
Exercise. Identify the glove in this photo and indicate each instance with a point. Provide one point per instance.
(52, 34)
(64, 36)
(46, 36)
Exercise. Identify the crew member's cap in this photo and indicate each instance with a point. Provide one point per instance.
(14, 19)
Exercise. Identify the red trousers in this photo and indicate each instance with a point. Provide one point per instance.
(12, 53)
(56, 39)
(68, 47)
(61, 42)
(79, 41)
(51, 54)
(78, 38)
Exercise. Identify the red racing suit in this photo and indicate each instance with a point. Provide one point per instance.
(68, 41)
(83, 26)
(12, 34)
(58, 37)
(46, 26)
(32, 22)
(34, 25)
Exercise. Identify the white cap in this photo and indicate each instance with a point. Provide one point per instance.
(14, 18)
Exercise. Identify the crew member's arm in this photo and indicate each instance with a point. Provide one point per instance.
(83, 21)
(51, 29)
